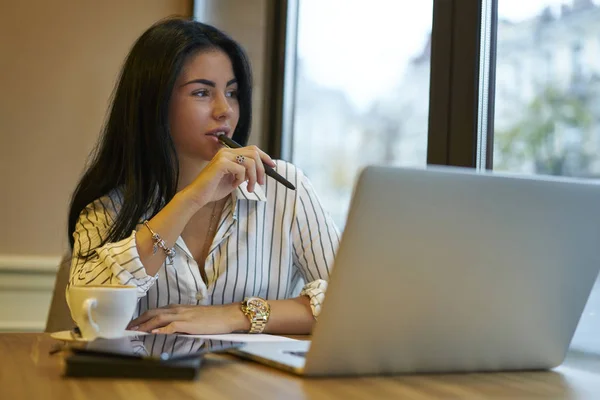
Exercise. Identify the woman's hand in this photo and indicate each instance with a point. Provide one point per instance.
(224, 173)
(192, 319)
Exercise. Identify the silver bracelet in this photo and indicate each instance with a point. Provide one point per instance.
(159, 242)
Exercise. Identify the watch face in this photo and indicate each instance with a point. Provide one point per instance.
(257, 305)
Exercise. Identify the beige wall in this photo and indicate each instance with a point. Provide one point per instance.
(247, 22)
(58, 61)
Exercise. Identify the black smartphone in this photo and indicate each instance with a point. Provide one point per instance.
(154, 347)
(155, 356)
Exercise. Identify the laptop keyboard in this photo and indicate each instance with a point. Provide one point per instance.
(297, 353)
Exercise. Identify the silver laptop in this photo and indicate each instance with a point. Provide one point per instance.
(448, 270)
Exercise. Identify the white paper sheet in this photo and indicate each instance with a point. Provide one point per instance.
(245, 337)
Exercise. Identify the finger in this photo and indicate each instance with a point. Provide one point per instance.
(227, 166)
(148, 315)
(173, 327)
(179, 327)
(159, 321)
(237, 170)
(165, 330)
(265, 157)
(250, 166)
(254, 153)
(135, 324)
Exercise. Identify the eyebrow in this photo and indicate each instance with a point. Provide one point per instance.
(209, 83)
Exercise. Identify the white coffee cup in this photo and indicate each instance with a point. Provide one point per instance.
(102, 311)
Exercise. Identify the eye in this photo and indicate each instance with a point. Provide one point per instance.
(232, 93)
(201, 93)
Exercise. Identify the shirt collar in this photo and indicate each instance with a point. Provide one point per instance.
(242, 193)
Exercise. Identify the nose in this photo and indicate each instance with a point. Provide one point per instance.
(221, 108)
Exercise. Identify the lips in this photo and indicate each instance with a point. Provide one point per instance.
(218, 131)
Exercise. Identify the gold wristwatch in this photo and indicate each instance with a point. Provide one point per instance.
(257, 310)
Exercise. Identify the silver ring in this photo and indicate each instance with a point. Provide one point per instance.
(240, 159)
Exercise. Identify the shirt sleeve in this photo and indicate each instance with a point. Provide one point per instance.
(316, 240)
(108, 264)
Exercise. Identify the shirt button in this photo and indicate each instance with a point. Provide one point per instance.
(199, 296)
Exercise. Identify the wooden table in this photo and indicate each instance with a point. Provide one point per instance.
(27, 371)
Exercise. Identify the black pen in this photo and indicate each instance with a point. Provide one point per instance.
(268, 170)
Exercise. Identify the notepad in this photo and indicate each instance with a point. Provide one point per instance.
(245, 337)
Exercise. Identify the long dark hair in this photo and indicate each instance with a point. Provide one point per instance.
(135, 152)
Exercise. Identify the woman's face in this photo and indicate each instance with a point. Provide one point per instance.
(204, 103)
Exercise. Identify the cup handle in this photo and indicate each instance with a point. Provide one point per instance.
(88, 304)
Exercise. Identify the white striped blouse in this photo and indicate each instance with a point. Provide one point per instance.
(274, 243)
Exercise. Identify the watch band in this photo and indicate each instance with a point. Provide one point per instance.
(258, 318)
(257, 324)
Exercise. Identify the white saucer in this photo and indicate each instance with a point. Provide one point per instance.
(66, 336)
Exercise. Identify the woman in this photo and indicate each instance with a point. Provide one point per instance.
(212, 244)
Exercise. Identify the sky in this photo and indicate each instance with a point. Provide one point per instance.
(363, 49)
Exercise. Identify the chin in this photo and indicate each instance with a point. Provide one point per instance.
(210, 154)
(209, 149)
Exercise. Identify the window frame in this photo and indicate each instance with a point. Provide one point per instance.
(455, 70)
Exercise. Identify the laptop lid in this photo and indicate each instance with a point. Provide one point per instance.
(446, 270)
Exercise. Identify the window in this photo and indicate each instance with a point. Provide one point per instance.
(550, 126)
(361, 91)
(367, 91)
